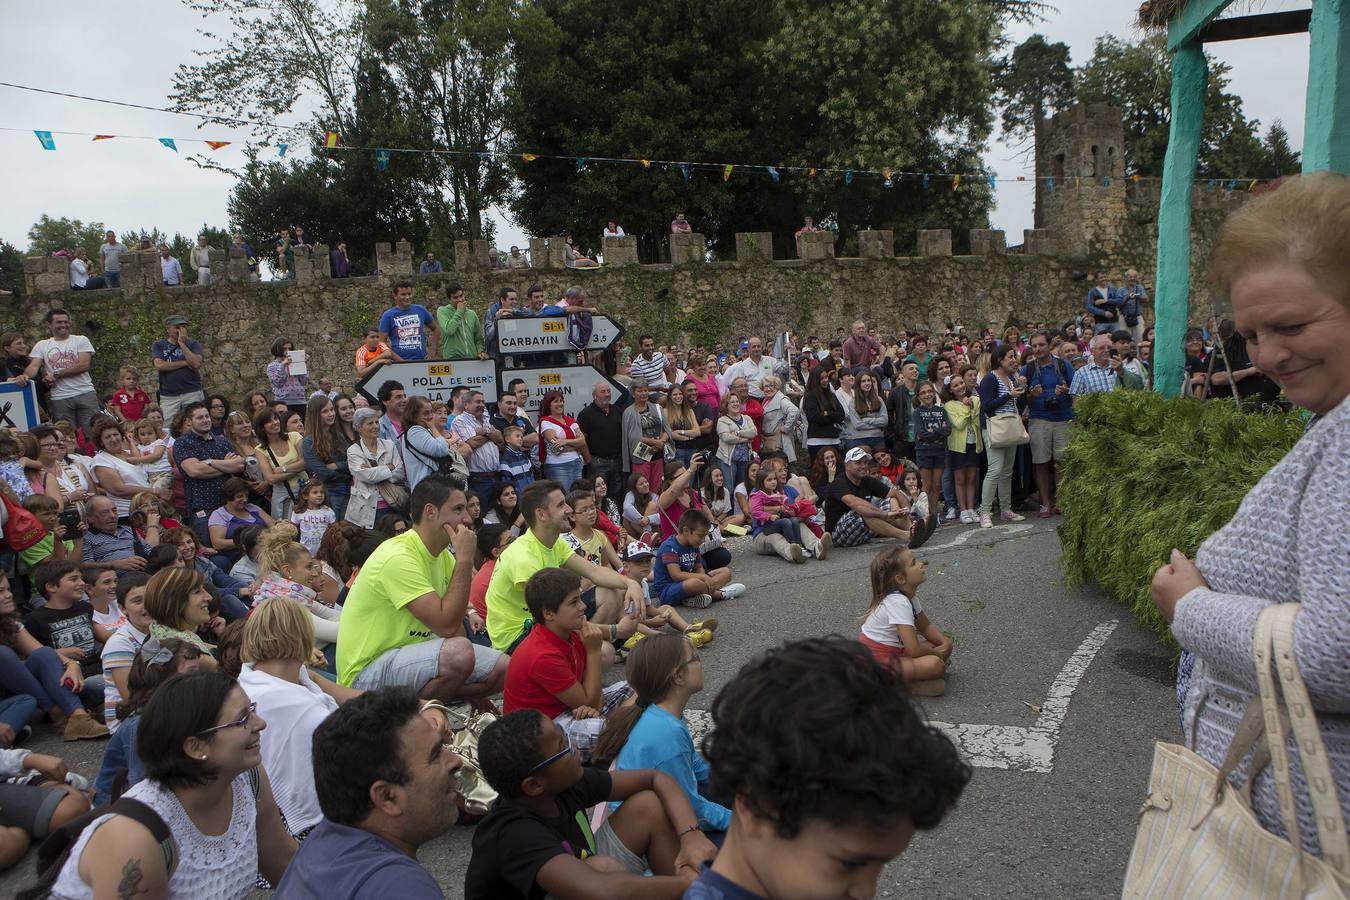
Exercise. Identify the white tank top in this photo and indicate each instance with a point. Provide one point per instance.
(222, 867)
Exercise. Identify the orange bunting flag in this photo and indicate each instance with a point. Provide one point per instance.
(811, 172)
(331, 140)
(886, 173)
(646, 163)
(529, 157)
(104, 137)
(216, 145)
(1134, 178)
(726, 172)
(956, 182)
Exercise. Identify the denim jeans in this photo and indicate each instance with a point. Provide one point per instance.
(949, 484)
(566, 473)
(39, 676)
(733, 473)
(114, 279)
(481, 484)
(16, 710)
(788, 527)
(612, 469)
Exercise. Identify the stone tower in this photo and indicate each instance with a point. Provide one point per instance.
(1083, 150)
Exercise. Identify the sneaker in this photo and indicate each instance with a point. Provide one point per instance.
(1057, 511)
(795, 551)
(1011, 516)
(708, 624)
(967, 517)
(699, 601)
(649, 538)
(1044, 512)
(733, 590)
(935, 687)
(951, 514)
(700, 637)
(826, 545)
(633, 640)
(986, 521)
(84, 728)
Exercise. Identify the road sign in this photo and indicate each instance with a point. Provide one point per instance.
(548, 334)
(18, 406)
(575, 382)
(433, 378)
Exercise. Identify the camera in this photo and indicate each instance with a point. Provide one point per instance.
(70, 523)
(1052, 402)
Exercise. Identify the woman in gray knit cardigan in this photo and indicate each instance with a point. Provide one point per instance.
(1284, 262)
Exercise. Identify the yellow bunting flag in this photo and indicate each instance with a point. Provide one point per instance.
(646, 163)
(1076, 185)
(726, 172)
(331, 140)
(1251, 184)
(956, 182)
(216, 145)
(1134, 178)
(529, 157)
(886, 173)
(104, 137)
(811, 171)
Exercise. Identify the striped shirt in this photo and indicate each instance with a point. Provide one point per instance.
(118, 653)
(1093, 379)
(654, 370)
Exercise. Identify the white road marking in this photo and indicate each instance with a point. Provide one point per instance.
(1018, 747)
(1007, 531)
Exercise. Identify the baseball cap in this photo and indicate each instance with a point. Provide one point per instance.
(176, 319)
(856, 454)
(638, 550)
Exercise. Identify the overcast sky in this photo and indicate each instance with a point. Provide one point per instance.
(72, 46)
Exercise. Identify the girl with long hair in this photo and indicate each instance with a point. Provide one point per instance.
(683, 424)
(896, 629)
(325, 451)
(823, 411)
(280, 461)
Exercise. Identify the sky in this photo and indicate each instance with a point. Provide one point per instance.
(62, 45)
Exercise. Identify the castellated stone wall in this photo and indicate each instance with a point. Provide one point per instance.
(1093, 217)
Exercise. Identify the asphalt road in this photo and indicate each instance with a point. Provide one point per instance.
(1057, 706)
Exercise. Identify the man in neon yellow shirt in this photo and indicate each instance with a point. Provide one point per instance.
(403, 622)
(544, 507)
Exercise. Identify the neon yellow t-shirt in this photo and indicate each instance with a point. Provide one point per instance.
(507, 612)
(375, 618)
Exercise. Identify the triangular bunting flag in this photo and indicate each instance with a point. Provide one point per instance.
(216, 145)
(1077, 182)
(848, 176)
(104, 137)
(956, 182)
(381, 160)
(684, 170)
(646, 163)
(993, 182)
(1251, 184)
(330, 140)
(1232, 183)
(281, 149)
(581, 161)
(773, 173)
(1134, 178)
(529, 157)
(886, 173)
(1050, 185)
(925, 182)
(726, 172)
(46, 140)
(811, 172)
(1209, 185)
(168, 142)
(1106, 181)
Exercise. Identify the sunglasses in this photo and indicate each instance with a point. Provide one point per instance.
(242, 722)
(568, 749)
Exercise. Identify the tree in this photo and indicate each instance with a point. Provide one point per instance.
(49, 235)
(11, 268)
(1280, 159)
(1033, 82)
(180, 246)
(1138, 78)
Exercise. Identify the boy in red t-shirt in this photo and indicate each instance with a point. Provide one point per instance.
(128, 402)
(557, 668)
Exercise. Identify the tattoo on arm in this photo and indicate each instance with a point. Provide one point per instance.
(130, 885)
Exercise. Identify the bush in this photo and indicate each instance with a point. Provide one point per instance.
(1144, 474)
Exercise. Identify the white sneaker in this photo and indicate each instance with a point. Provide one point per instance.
(986, 521)
(733, 590)
(1010, 516)
(951, 514)
(967, 518)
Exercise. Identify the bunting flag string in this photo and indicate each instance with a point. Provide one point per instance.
(776, 173)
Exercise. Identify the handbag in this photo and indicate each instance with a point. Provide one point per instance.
(1007, 430)
(394, 495)
(22, 528)
(1197, 833)
(476, 795)
(453, 465)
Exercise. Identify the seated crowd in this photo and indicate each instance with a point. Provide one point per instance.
(289, 607)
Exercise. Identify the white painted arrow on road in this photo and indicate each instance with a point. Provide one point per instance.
(1019, 747)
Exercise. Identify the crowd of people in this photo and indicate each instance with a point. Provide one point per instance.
(284, 601)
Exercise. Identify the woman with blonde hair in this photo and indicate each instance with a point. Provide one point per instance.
(1283, 261)
(278, 644)
(286, 570)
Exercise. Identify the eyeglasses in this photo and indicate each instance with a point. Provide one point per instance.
(694, 658)
(242, 722)
(567, 750)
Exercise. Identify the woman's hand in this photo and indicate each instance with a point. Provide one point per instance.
(1173, 581)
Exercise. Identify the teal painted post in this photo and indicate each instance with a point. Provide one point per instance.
(1172, 293)
(1326, 129)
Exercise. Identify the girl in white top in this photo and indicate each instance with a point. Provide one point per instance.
(278, 642)
(204, 779)
(154, 453)
(896, 629)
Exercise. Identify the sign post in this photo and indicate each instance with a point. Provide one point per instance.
(433, 378)
(18, 406)
(548, 334)
(575, 383)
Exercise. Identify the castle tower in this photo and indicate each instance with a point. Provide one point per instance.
(1083, 150)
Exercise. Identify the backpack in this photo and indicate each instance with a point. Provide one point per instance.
(22, 528)
(1061, 369)
(579, 328)
(54, 852)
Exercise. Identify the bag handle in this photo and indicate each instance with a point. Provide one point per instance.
(1311, 750)
(1276, 731)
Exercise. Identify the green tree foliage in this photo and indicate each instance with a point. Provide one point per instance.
(180, 245)
(49, 235)
(901, 84)
(1137, 77)
(1280, 159)
(1033, 82)
(11, 268)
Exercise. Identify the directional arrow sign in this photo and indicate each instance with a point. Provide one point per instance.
(548, 334)
(433, 378)
(575, 382)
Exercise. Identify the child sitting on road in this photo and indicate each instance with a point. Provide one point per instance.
(897, 630)
(680, 577)
(638, 558)
(832, 770)
(771, 511)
